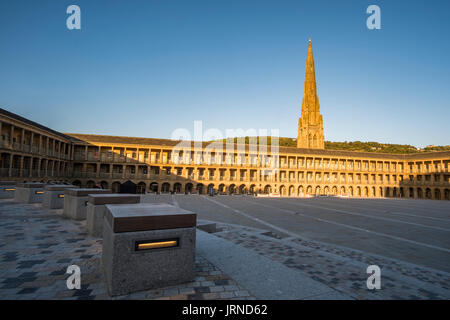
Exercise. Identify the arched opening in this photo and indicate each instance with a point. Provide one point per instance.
(115, 187)
(283, 191)
(140, 188)
(177, 187)
(128, 187)
(350, 191)
(210, 188)
(165, 187)
(242, 189)
(394, 192)
(366, 192)
(388, 192)
(221, 188)
(326, 191)
(342, 191)
(373, 193)
(291, 191)
(428, 193)
(419, 193)
(252, 189)
(411, 192)
(437, 194)
(231, 189)
(309, 190)
(301, 191)
(76, 183)
(200, 188)
(90, 184)
(317, 193)
(401, 193)
(188, 188)
(153, 187)
(104, 184)
(447, 194)
(335, 192)
(267, 189)
(381, 191)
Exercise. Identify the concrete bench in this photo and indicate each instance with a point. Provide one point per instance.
(147, 246)
(96, 209)
(54, 195)
(7, 189)
(76, 199)
(29, 192)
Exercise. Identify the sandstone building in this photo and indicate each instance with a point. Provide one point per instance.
(32, 152)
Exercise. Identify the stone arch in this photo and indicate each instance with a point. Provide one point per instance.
(76, 183)
(411, 192)
(419, 193)
(221, 188)
(210, 186)
(394, 192)
(309, 190)
(317, 191)
(326, 191)
(381, 191)
(291, 191)
(231, 189)
(350, 191)
(188, 188)
(165, 187)
(342, 191)
(401, 192)
(104, 184)
(428, 193)
(252, 189)
(366, 192)
(90, 184)
(437, 194)
(200, 188)
(373, 192)
(141, 187)
(268, 189)
(242, 189)
(177, 187)
(447, 194)
(334, 190)
(153, 187)
(301, 192)
(282, 190)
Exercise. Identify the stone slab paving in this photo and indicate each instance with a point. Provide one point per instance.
(341, 268)
(37, 245)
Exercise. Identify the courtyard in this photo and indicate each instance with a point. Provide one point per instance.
(322, 245)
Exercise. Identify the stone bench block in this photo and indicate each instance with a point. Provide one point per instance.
(96, 209)
(29, 192)
(7, 189)
(147, 246)
(54, 195)
(76, 199)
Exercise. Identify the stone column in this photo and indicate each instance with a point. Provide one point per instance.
(11, 157)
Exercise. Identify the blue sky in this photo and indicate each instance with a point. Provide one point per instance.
(145, 68)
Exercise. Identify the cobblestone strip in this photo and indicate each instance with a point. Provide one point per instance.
(37, 246)
(343, 269)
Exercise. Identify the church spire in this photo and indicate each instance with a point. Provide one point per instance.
(310, 124)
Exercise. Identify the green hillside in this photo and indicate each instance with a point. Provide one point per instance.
(360, 146)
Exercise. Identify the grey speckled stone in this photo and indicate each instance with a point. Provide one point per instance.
(75, 202)
(54, 196)
(96, 209)
(4, 192)
(29, 193)
(127, 270)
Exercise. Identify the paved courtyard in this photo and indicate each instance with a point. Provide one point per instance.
(329, 240)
